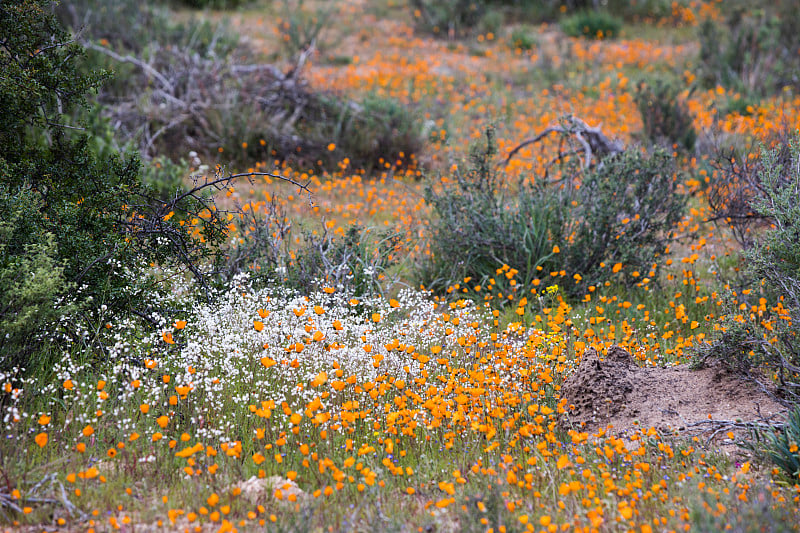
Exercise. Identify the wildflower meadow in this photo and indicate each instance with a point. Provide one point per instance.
(400, 265)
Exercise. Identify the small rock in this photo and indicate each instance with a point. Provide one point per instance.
(259, 490)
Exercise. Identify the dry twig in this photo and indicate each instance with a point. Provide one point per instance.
(595, 144)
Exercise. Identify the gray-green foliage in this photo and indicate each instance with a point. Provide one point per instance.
(628, 211)
(775, 258)
(754, 51)
(665, 116)
(482, 222)
(623, 210)
(769, 341)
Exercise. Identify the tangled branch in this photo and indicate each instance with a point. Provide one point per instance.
(594, 143)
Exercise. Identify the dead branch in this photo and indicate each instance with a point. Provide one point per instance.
(191, 92)
(132, 60)
(595, 144)
(718, 426)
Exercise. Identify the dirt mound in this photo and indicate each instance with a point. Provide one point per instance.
(613, 390)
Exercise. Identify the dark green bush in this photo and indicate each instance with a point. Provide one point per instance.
(624, 210)
(665, 116)
(767, 341)
(85, 218)
(592, 24)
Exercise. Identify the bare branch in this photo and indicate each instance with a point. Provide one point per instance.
(133, 60)
(595, 143)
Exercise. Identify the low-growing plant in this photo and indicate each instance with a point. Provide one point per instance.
(781, 446)
(523, 39)
(592, 24)
(665, 115)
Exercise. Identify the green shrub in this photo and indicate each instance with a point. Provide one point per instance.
(624, 210)
(628, 211)
(754, 51)
(379, 128)
(480, 223)
(523, 39)
(592, 24)
(665, 116)
(86, 219)
(32, 279)
(767, 341)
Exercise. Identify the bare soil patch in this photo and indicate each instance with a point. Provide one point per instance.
(612, 390)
